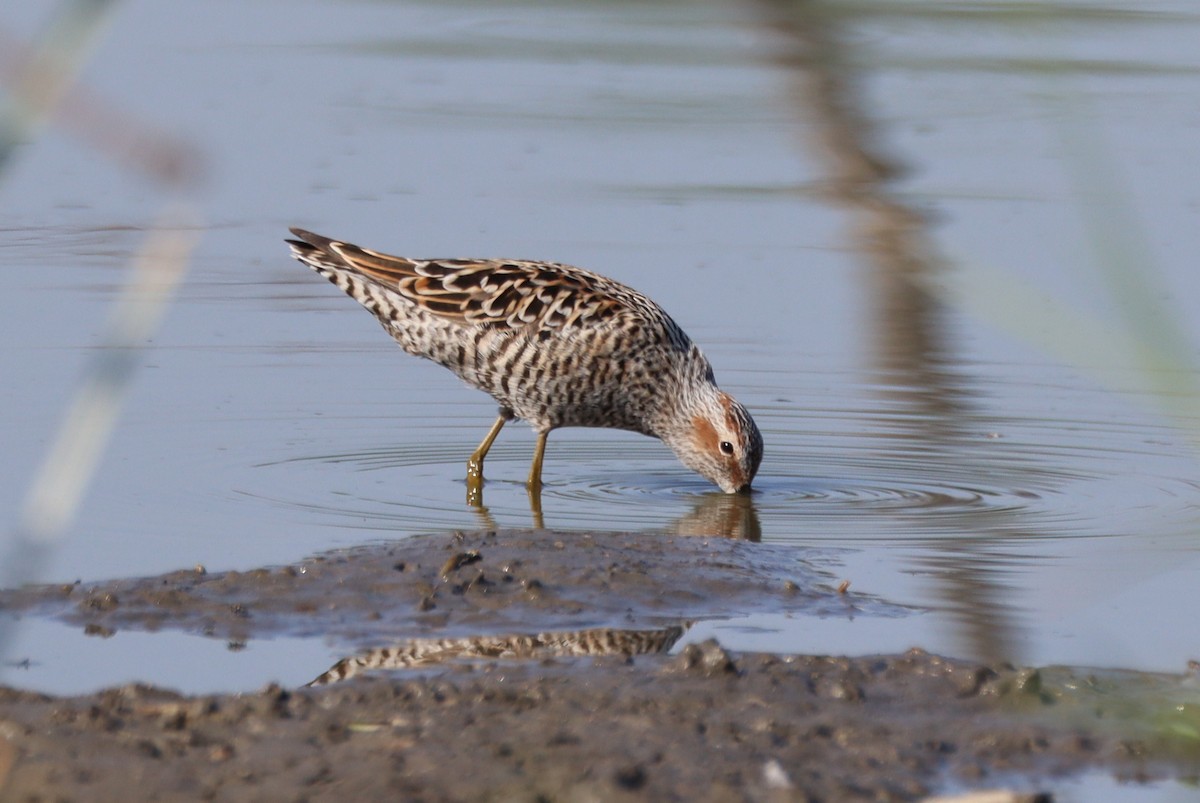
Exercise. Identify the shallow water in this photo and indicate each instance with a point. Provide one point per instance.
(1041, 513)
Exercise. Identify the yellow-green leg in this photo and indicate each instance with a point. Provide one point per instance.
(475, 462)
(535, 507)
(535, 470)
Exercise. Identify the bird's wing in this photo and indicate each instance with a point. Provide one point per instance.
(488, 292)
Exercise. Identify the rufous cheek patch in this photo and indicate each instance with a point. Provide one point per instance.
(706, 434)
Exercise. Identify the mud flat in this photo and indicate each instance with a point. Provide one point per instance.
(537, 666)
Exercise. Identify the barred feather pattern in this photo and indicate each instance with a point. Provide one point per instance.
(418, 653)
(553, 344)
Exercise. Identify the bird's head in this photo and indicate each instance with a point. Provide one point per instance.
(720, 441)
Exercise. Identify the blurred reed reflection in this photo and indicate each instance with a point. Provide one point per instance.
(926, 400)
(38, 80)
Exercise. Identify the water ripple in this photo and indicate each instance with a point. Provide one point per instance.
(639, 485)
(869, 468)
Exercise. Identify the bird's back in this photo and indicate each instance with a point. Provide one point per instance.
(557, 345)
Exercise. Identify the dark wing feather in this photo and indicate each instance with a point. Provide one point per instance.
(510, 293)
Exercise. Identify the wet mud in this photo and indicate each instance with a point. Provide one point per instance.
(536, 666)
(465, 584)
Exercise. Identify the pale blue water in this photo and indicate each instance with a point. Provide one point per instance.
(1028, 504)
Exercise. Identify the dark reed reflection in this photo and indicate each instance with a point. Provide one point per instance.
(928, 399)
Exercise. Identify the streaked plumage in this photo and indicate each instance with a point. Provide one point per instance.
(556, 346)
(417, 653)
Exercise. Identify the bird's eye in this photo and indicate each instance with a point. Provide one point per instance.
(726, 447)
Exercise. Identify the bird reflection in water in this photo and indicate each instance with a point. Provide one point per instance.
(713, 515)
(419, 653)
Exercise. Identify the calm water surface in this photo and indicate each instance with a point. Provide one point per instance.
(1040, 510)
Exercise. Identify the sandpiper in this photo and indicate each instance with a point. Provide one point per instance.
(556, 346)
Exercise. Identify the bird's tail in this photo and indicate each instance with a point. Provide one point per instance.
(316, 251)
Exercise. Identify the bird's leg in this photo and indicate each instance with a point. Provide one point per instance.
(535, 471)
(475, 462)
(535, 507)
(475, 494)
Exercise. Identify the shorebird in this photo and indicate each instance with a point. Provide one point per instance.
(555, 346)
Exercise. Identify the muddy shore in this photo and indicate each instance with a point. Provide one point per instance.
(537, 666)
